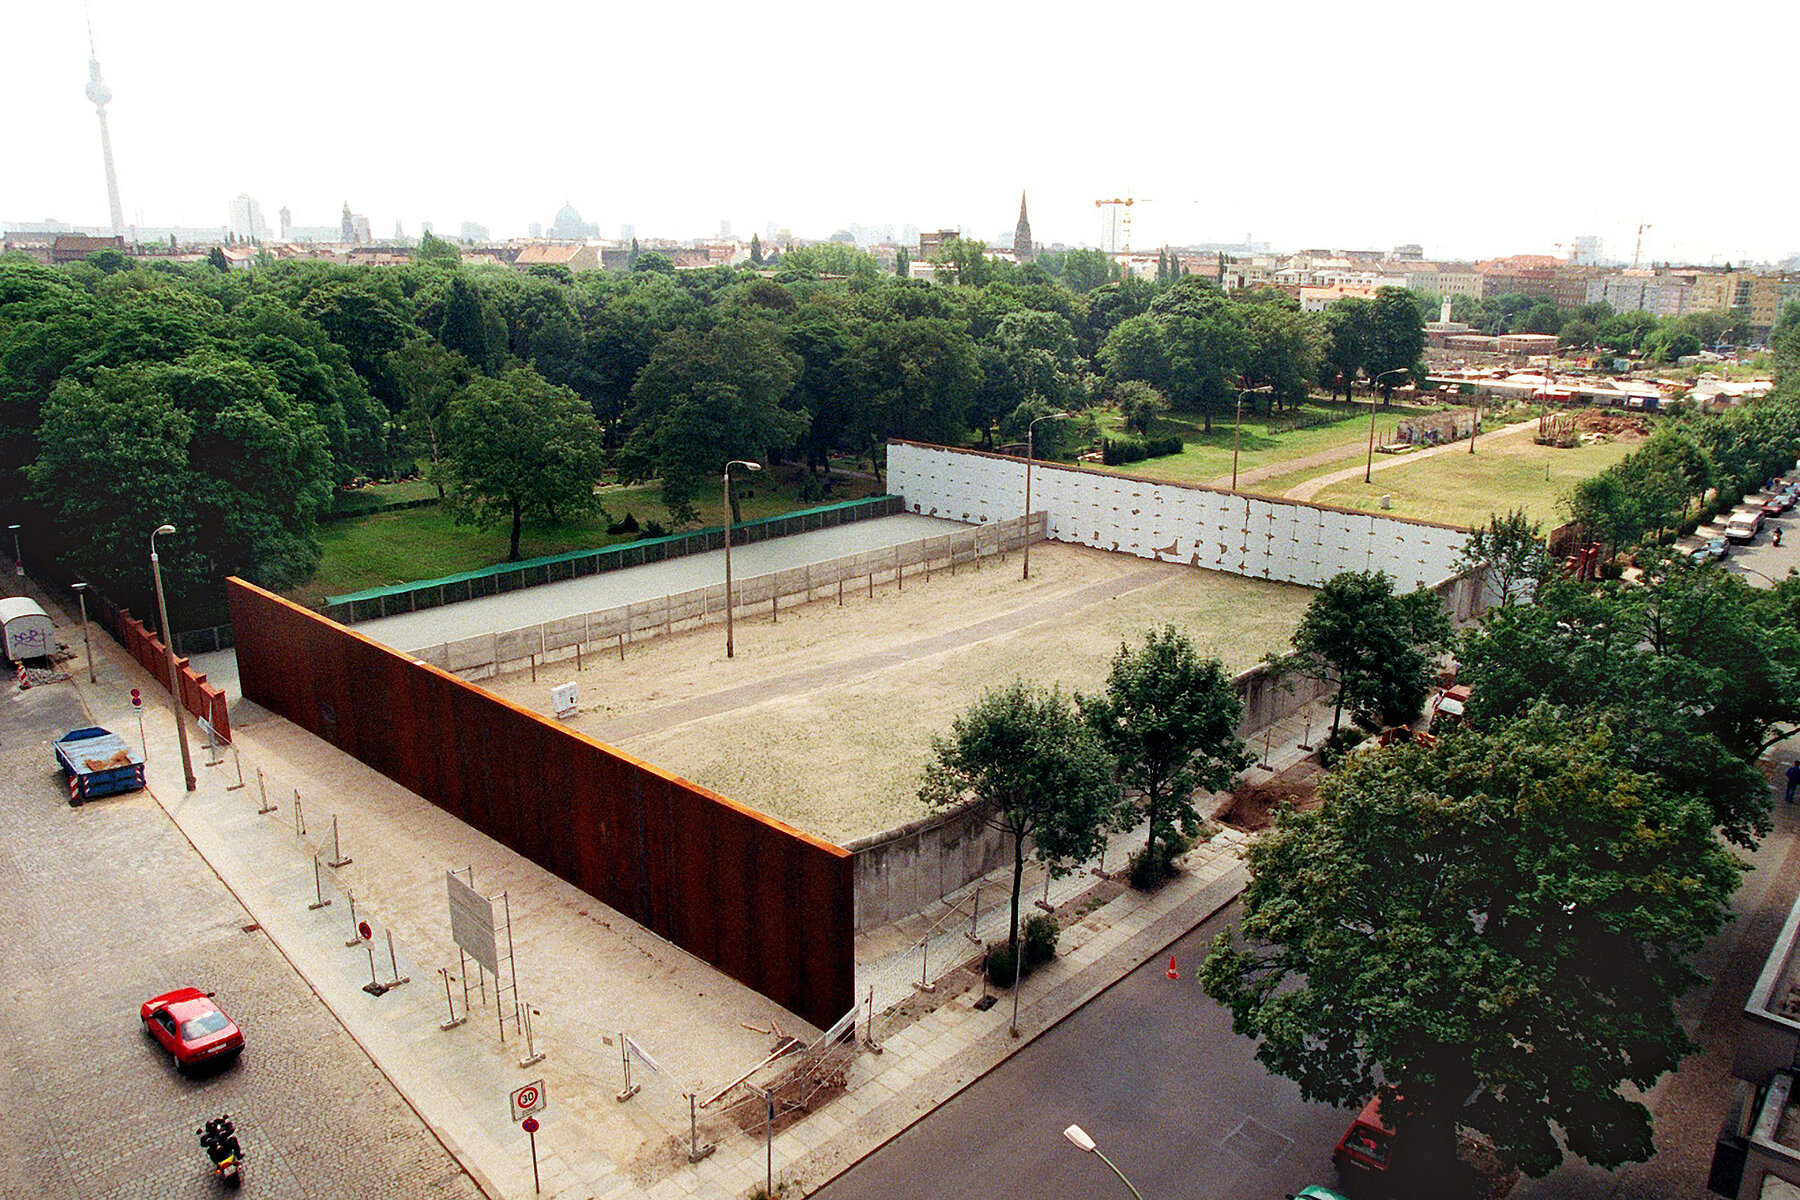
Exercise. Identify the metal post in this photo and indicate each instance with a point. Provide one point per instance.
(86, 645)
(748, 466)
(394, 963)
(237, 756)
(536, 1187)
(1265, 758)
(264, 789)
(338, 859)
(318, 888)
(1476, 427)
(299, 816)
(1018, 973)
(462, 968)
(975, 915)
(924, 984)
(869, 1042)
(1237, 439)
(162, 610)
(630, 1089)
(1045, 902)
(769, 1143)
(1306, 738)
(355, 933)
(450, 1004)
(1369, 468)
(374, 987)
(532, 1057)
(1030, 429)
(696, 1151)
(212, 745)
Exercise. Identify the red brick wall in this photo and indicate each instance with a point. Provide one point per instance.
(197, 696)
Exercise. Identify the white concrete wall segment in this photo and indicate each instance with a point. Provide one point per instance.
(1268, 538)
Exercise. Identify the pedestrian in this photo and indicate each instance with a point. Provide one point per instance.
(1778, 535)
(1793, 778)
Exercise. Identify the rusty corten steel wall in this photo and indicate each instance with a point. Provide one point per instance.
(763, 902)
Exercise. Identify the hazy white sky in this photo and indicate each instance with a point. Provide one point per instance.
(1473, 130)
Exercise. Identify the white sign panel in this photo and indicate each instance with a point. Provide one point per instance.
(529, 1099)
(566, 699)
(472, 922)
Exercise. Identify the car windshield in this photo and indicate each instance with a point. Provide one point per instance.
(202, 1026)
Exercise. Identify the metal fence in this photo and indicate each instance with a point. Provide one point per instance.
(510, 577)
(619, 627)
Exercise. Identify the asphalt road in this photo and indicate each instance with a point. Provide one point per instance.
(1149, 1068)
(106, 905)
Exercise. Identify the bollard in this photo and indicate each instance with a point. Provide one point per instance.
(355, 933)
(450, 1004)
(264, 789)
(318, 888)
(394, 964)
(338, 859)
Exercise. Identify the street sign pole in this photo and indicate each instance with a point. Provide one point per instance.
(531, 1128)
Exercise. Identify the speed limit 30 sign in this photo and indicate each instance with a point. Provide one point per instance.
(529, 1099)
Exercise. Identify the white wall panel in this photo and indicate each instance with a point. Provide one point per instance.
(1224, 531)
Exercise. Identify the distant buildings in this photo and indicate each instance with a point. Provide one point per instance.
(246, 223)
(569, 227)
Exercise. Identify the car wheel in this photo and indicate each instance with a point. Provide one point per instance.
(146, 1026)
(175, 1061)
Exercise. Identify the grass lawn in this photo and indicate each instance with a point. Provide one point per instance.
(424, 543)
(1463, 489)
(1207, 456)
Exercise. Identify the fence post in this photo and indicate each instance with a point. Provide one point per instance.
(696, 1151)
(631, 1089)
(338, 858)
(322, 900)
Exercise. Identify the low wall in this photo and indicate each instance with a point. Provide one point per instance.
(761, 901)
(487, 653)
(533, 572)
(197, 696)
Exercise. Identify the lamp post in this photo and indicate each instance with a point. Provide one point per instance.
(1078, 1135)
(86, 645)
(1374, 402)
(748, 466)
(1237, 435)
(1030, 429)
(18, 559)
(162, 613)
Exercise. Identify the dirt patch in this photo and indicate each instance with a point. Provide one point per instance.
(1252, 807)
(1599, 420)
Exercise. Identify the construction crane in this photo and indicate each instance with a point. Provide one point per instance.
(1638, 249)
(1124, 202)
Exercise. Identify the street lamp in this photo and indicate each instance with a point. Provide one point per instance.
(1237, 436)
(1374, 401)
(1030, 429)
(18, 559)
(1078, 1135)
(86, 645)
(748, 466)
(162, 612)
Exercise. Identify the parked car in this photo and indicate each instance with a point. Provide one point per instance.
(1742, 529)
(1711, 550)
(192, 1029)
(1367, 1146)
(1317, 1191)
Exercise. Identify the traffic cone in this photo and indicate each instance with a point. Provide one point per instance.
(1173, 973)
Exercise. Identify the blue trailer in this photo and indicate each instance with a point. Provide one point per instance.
(98, 763)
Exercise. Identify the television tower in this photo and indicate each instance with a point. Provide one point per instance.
(100, 94)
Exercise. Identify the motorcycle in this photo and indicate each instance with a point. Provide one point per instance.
(219, 1139)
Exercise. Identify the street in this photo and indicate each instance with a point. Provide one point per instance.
(106, 905)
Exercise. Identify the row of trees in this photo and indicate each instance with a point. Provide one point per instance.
(1058, 773)
(358, 371)
(1598, 326)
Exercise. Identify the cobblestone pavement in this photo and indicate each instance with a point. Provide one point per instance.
(105, 905)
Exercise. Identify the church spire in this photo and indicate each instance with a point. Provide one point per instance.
(1022, 248)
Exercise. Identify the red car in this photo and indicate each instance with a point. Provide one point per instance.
(193, 1029)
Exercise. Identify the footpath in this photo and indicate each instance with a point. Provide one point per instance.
(588, 976)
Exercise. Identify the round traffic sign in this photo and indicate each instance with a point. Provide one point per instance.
(527, 1098)
(529, 1124)
(137, 699)
(362, 927)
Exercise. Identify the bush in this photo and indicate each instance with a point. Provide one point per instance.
(1152, 865)
(628, 525)
(1040, 939)
(654, 529)
(1160, 447)
(1000, 966)
(1116, 452)
(1346, 739)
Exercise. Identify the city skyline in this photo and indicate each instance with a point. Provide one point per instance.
(1248, 142)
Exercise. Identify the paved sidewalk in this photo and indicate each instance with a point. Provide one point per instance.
(589, 972)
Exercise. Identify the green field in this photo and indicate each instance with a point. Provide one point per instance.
(424, 543)
(1462, 489)
(1207, 456)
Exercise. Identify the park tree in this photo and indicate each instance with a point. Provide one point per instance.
(1378, 647)
(1348, 342)
(756, 254)
(520, 446)
(1492, 933)
(434, 249)
(1170, 718)
(1285, 350)
(917, 378)
(1139, 405)
(969, 259)
(1039, 772)
(429, 376)
(1784, 344)
(1085, 270)
(705, 399)
(1396, 336)
(1606, 509)
(1512, 549)
(464, 328)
